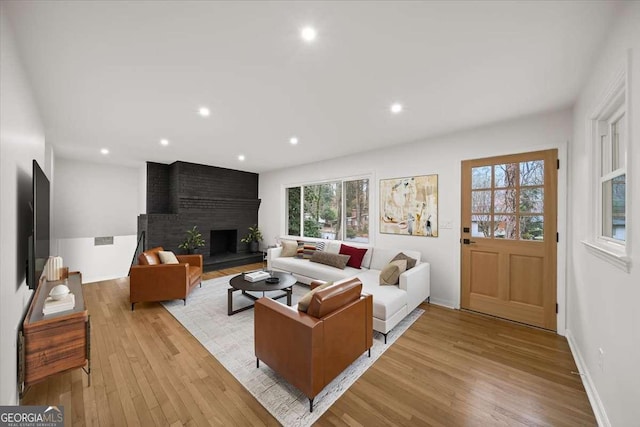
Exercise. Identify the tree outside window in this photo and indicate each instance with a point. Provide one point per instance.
(330, 210)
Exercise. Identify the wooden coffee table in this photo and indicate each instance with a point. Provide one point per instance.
(238, 283)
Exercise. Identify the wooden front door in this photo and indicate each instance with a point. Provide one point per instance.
(508, 244)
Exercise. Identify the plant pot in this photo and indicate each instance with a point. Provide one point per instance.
(253, 247)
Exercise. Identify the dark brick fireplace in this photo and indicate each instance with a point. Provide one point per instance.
(222, 203)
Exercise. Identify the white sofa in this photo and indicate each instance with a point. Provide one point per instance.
(390, 303)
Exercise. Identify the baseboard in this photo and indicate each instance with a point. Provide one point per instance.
(590, 388)
(443, 303)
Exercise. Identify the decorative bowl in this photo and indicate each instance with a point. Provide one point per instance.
(272, 280)
(58, 292)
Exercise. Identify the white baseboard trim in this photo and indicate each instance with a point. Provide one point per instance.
(443, 303)
(589, 386)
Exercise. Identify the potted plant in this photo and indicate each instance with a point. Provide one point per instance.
(253, 238)
(192, 241)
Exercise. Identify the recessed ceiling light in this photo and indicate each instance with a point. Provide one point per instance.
(204, 111)
(293, 140)
(308, 34)
(396, 108)
(164, 142)
(241, 157)
(104, 151)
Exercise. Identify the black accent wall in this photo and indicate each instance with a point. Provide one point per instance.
(181, 195)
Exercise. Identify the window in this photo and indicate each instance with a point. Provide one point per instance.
(611, 216)
(507, 201)
(329, 210)
(613, 178)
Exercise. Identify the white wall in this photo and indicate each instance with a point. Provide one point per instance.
(602, 310)
(95, 200)
(21, 140)
(442, 156)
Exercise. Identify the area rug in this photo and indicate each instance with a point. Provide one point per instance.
(230, 340)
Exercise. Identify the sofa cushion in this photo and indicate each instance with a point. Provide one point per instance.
(289, 248)
(390, 275)
(332, 246)
(303, 303)
(387, 300)
(357, 254)
(411, 262)
(168, 257)
(334, 260)
(304, 267)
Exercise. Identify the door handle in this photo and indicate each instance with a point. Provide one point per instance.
(467, 241)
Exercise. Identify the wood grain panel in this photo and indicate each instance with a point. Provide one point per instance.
(57, 342)
(525, 276)
(484, 273)
(526, 279)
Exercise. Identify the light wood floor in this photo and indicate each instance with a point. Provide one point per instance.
(450, 368)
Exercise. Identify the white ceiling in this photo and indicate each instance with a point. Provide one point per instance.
(123, 75)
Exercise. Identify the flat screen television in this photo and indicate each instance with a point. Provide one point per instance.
(39, 239)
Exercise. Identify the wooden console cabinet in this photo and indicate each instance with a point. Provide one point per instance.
(57, 342)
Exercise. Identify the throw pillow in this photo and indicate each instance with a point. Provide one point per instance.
(411, 262)
(306, 249)
(334, 260)
(168, 257)
(357, 254)
(289, 248)
(303, 303)
(390, 274)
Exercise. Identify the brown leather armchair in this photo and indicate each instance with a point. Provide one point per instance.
(310, 349)
(151, 280)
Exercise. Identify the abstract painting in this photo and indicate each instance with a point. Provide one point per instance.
(409, 206)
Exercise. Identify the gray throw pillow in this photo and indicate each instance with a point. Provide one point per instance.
(303, 303)
(334, 260)
(411, 262)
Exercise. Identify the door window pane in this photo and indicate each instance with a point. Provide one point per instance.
(532, 200)
(532, 228)
(356, 201)
(504, 227)
(505, 175)
(293, 211)
(481, 177)
(504, 201)
(481, 225)
(532, 173)
(481, 201)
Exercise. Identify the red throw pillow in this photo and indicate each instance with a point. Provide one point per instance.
(356, 255)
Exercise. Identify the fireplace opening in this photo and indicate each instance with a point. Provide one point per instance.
(224, 242)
